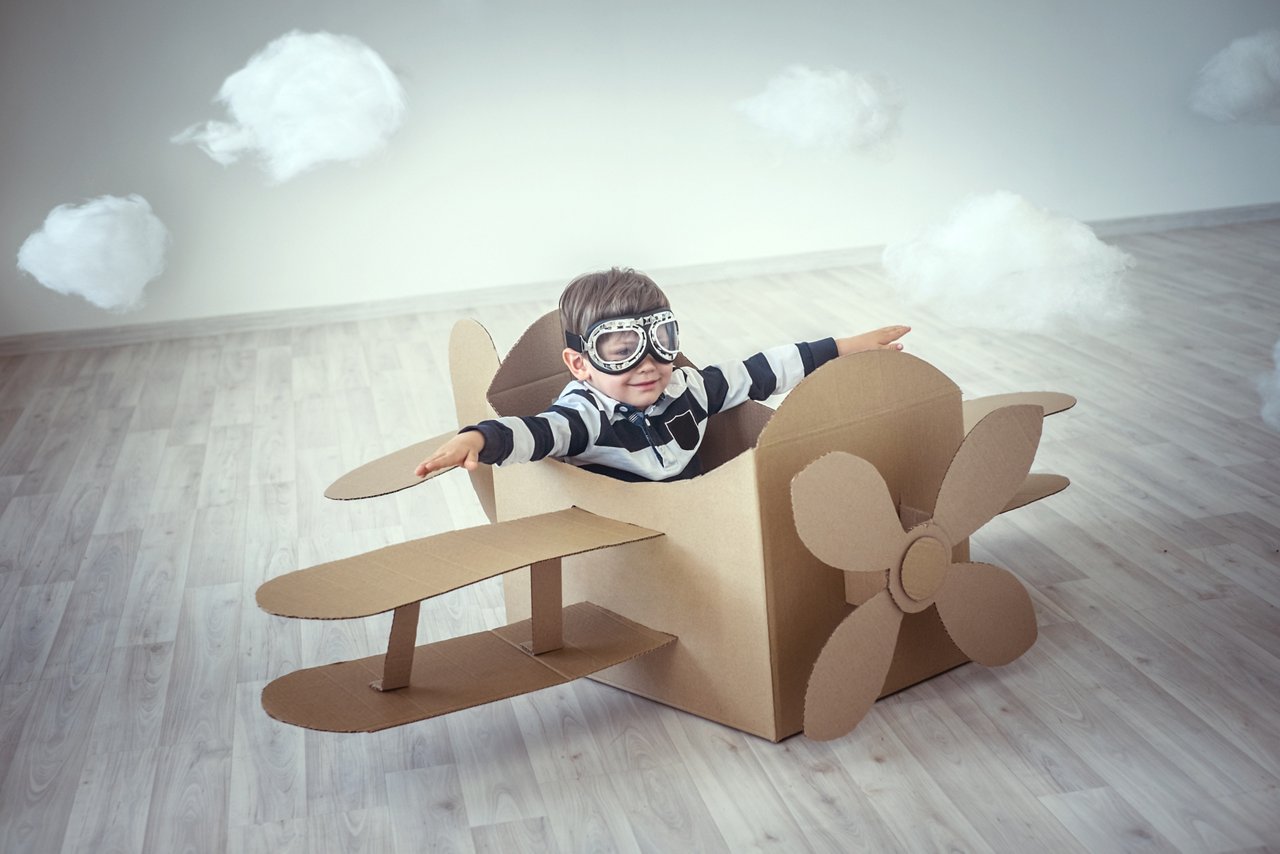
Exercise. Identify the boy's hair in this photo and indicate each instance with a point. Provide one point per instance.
(607, 293)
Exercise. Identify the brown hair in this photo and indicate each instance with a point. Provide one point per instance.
(608, 293)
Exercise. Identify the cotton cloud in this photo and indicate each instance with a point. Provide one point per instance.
(1242, 82)
(303, 100)
(105, 250)
(1269, 388)
(830, 109)
(999, 262)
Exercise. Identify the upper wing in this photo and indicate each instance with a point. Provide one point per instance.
(1052, 402)
(1036, 485)
(388, 474)
(398, 575)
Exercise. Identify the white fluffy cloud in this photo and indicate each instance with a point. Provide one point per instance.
(105, 250)
(830, 109)
(1269, 388)
(303, 100)
(999, 262)
(1241, 83)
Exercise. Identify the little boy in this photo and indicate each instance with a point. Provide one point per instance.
(629, 412)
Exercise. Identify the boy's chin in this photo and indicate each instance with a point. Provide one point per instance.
(644, 398)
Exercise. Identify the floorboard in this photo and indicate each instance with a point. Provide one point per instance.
(147, 489)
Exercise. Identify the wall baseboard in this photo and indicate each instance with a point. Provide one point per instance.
(549, 291)
(1188, 219)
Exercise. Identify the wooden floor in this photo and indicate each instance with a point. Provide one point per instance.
(147, 490)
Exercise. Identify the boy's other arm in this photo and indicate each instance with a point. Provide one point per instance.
(885, 338)
(462, 450)
(568, 428)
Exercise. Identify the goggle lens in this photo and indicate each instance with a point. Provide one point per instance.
(666, 337)
(618, 346)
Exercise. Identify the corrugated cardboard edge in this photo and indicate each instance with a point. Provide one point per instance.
(456, 674)
(473, 363)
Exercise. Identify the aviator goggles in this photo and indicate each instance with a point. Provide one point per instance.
(615, 345)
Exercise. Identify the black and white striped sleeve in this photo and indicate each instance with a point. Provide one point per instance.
(566, 429)
(767, 373)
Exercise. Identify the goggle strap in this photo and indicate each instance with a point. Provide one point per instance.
(574, 342)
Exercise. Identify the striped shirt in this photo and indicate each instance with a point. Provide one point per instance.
(592, 430)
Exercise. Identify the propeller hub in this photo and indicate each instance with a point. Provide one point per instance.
(924, 566)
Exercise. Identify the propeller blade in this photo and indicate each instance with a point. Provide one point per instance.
(987, 612)
(850, 671)
(845, 515)
(987, 470)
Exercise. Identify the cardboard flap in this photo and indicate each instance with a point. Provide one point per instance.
(987, 471)
(473, 363)
(390, 577)
(534, 372)
(388, 474)
(1035, 487)
(455, 674)
(857, 387)
(1052, 402)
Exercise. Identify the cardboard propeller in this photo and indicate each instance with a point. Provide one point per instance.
(846, 516)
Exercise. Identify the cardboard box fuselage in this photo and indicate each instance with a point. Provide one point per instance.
(750, 605)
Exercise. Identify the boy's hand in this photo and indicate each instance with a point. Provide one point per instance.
(462, 450)
(885, 338)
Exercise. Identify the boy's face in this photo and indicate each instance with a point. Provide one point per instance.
(640, 387)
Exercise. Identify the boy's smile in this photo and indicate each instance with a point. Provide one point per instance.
(639, 387)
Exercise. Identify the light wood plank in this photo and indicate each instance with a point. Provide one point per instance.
(39, 790)
(533, 835)
(28, 629)
(587, 814)
(498, 781)
(200, 705)
(268, 770)
(366, 831)
(901, 791)
(133, 480)
(154, 601)
(1103, 821)
(343, 776)
(746, 807)
(188, 809)
(63, 536)
(112, 803)
(129, 716)
(427, 810)
(826, 803)
(1007, 815)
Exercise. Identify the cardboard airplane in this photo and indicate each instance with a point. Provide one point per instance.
(820, 562)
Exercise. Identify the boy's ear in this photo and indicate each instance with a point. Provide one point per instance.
(577, 364)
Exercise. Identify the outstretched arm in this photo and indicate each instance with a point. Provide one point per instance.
(462, 450)
(885, 338)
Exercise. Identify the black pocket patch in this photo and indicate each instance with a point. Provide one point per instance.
(684, 429)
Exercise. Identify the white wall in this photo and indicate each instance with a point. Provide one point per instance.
(546, 138)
